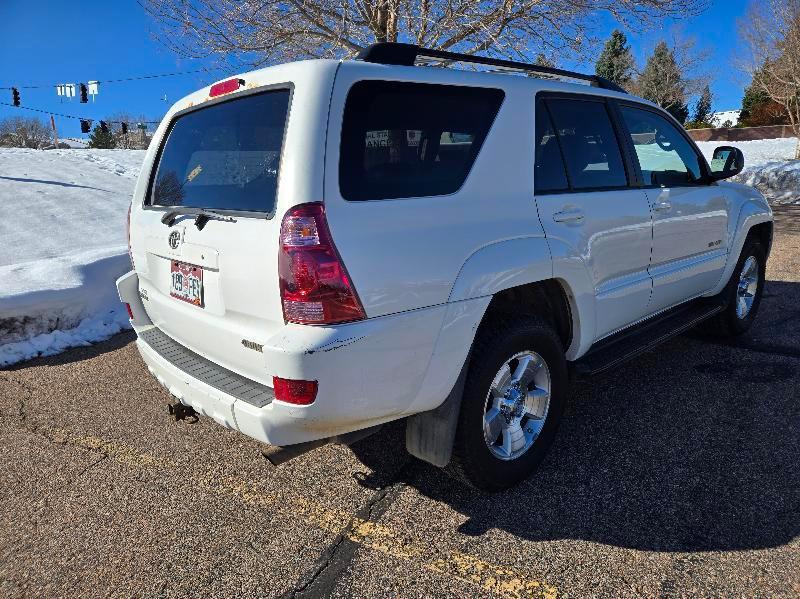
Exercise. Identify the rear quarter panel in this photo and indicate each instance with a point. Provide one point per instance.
(404, 254)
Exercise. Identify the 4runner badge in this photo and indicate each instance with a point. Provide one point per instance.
(174, 239)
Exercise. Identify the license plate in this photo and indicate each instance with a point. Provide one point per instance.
(187, 283)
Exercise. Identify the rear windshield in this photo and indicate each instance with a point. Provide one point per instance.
(225, 156)
(404, 140)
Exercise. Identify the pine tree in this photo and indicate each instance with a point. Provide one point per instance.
(757, 107)
(616, 61)
(702, 110)
(101, 139)
(663, 83)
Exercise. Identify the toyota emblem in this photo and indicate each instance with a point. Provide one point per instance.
(174, 239)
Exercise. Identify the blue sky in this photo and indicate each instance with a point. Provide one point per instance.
(52, 41)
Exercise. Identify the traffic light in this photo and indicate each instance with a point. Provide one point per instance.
(15, 96)
(85, 126)
(124, 128)
(84, 94)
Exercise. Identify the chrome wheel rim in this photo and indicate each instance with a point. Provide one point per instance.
(516, 405)
(748, 285)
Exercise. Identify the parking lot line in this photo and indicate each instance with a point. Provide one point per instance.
(500, 580)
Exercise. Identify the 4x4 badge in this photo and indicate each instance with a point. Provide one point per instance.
(174, 239)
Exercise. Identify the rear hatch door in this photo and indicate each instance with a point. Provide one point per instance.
(209, 273)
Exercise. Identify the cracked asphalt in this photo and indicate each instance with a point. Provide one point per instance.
(677, 475)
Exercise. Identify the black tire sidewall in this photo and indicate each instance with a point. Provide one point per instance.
(482, 468)
(737, 325)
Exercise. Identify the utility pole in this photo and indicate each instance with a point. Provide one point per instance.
(55, 131)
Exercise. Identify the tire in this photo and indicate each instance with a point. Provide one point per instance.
(504, 344)
(735, 319)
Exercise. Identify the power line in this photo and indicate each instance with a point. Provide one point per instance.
(71, 116)
(136, 78)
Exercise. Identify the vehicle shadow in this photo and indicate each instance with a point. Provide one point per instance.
(692, 447)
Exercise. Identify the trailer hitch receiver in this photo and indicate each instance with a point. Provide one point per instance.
(181, 412)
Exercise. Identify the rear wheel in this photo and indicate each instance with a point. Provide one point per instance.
(742, 294)
(513, 400)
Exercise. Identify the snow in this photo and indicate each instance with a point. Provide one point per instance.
(723, 116)
(62, 245)
(768, 166)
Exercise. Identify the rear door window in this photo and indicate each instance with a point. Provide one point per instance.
(403, 140)
(225, 156)
(590, 147)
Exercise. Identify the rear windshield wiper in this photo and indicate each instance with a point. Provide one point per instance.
(203, 215)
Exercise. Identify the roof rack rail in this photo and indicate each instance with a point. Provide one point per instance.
(407, 54)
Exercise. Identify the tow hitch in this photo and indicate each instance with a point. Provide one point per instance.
(181, 412)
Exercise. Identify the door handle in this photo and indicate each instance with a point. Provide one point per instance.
(662, 206)
(568, 216)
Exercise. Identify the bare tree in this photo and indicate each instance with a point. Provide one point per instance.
(134, 138)
(264, 31)
(771, 30)
(22, 132)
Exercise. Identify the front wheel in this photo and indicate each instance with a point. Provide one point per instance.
(513, 399)
(742, 294)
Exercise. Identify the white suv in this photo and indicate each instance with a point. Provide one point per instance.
(324, 246)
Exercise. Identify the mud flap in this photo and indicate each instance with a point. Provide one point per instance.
(430, 435)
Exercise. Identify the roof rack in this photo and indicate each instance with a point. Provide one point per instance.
(407, 55)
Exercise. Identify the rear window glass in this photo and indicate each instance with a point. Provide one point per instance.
(225, 156)
(590, 146)
(402, 140)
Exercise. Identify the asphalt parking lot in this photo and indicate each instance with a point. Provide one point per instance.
(677, 475)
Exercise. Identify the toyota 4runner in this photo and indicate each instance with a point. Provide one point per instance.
(325, 246)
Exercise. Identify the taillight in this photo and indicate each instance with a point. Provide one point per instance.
(128, 234)
(301, 393)
(315, 286)
(130, 312)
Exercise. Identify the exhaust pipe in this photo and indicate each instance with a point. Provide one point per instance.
(277, 455)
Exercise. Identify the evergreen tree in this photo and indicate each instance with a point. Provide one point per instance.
(616, 61)
(101, 139)
(753, 97)
(758, 108)
(702, 110)
(663, 83)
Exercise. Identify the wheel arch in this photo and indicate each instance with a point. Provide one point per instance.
(754, 221)
(430, 434)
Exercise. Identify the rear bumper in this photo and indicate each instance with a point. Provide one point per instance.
(368, 372)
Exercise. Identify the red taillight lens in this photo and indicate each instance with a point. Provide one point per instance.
(315, 286)
(225, 87)
(130, 312)
(300, 393)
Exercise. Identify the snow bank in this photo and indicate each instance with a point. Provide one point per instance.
(769, 167)
(62, 245)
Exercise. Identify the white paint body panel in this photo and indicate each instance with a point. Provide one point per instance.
(613, 241)
(425, 268)
(690, 245)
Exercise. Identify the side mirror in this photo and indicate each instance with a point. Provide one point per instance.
(727, 162)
